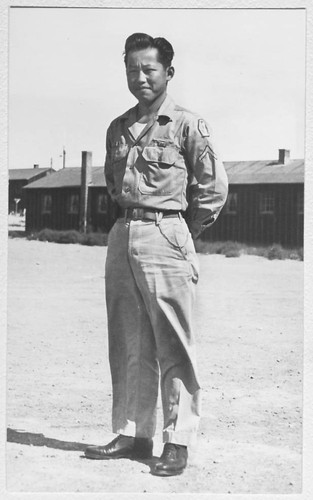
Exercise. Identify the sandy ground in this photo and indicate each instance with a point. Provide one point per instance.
(249, 328)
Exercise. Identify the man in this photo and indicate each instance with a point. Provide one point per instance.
(160, 158)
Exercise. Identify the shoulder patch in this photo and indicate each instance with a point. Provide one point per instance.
(203, 129)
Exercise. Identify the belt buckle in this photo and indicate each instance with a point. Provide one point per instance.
(137, 213)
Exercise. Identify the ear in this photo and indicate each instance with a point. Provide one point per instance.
(170, 73)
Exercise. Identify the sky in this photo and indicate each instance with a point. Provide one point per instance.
(242, 70)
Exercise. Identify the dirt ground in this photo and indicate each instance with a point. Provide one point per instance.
(249, 326)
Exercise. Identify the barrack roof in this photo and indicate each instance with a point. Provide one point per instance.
(238, 172)
(265, 172)
(21, 174)
(68, 177)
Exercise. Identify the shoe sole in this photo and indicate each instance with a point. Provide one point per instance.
(116, 457)
(164, 473)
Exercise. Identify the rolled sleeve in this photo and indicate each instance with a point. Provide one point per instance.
(209, 185)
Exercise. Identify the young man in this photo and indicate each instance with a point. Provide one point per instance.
(160, 159)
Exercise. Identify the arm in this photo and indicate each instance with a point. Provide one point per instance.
(208, 185)
(108, 171)
(109, 178)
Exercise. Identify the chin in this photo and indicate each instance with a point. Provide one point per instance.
(144, 99)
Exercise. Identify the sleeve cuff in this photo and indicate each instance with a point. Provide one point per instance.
(196, 227)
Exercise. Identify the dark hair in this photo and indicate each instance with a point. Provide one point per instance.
(138, 41)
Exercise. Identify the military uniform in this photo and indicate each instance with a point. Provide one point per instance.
(152, 267)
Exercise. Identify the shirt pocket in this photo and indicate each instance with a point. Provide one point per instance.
(160, 170)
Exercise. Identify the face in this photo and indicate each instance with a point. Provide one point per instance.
(146, 76)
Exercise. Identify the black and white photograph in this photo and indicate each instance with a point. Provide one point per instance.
(156, 194)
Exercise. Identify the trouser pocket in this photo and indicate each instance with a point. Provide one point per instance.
(177, 234)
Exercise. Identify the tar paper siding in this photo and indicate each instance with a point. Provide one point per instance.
(249, 224)
(245, 224)
(101, 221)
(62, 214)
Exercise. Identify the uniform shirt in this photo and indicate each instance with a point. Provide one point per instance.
(170, 165)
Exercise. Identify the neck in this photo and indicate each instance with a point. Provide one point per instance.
(149, 109)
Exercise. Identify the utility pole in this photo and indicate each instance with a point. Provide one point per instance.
(64, 153)
(86, 179)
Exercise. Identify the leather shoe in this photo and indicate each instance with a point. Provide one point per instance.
(173, 460)
(122, 447)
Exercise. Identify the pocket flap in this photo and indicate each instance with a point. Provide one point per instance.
(162, 155)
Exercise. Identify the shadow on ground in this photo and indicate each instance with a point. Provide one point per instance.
(32, 439)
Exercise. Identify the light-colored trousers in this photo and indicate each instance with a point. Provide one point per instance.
(151, 273)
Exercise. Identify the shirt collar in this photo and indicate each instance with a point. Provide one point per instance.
(166, 109)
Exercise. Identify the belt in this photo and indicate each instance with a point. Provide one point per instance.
(139, 213)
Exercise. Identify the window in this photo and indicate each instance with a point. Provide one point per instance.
(231, 203)
(300, 203)
(46, 207)
(102, 204)
(267, 203)
(73, 204)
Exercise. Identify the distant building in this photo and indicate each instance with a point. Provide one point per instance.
(264, 205)
(54, 202)
(20, 177)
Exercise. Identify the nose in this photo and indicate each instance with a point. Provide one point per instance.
(141, 77)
